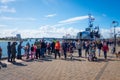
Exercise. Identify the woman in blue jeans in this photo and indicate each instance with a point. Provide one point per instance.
(105, 49)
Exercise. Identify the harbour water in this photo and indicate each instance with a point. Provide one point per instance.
(4, 44)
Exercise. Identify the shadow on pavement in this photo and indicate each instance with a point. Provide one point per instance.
(28, 60)
(46, 58)
(74, 59)
(18, 64)
(110, 56)
(108, 60)
(3, 65)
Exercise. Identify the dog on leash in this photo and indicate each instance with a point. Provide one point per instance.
(117, 55)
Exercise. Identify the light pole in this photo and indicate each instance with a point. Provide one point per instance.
(115, 24)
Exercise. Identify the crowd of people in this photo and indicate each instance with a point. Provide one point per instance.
(40, 49)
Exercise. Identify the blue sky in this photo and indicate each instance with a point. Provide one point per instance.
(55, 18)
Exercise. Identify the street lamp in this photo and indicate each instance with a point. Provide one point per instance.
(115, 24)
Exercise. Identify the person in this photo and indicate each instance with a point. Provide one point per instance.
(87, 46)
(71, 51)
(64, 48)
(32, 51)
(53, 47)
(57, 49)
(49, 48)
(9, 51)
(13, 51)
(99, 46)
(0, 53)
(113, 49)
(28, 50)
(79, 47)
(43, 48)
(19, 56)
(105, 48)
(38, 48)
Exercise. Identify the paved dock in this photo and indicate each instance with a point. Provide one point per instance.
(60, 69)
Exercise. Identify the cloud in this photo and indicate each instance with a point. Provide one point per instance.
(50, 15)
(49, 31)
(7, 9)
(16, 19)
(74, 19)
(6, 1)
(2, 26)
(57, 30)
(107, 33)
(7, 32)
(43, 31)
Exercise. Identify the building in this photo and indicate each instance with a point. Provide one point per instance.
(84, 35)
(18, 36)
(68, 36)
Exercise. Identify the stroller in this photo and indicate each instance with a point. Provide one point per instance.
(92, 56)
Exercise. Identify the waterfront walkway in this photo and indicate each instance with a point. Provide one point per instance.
(60, 69)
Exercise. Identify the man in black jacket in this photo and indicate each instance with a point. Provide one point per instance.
(9, 51)
(64, 48)
(13, 51)
(19, 56)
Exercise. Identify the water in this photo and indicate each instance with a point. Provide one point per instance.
(4, 44)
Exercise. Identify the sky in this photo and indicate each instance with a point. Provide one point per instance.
(56, 18)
